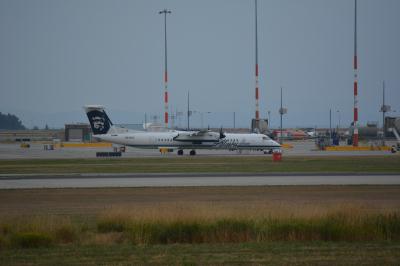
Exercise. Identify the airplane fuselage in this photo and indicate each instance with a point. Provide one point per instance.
(154, 140)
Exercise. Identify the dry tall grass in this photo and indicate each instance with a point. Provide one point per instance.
(172, 211)
(205, 223)
(41, 230)
(215, 222)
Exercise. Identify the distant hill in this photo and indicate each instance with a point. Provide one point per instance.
(9, 121)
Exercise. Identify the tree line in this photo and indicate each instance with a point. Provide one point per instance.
(10, 121)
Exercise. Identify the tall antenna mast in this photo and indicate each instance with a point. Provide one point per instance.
(188, 112)
(256, 70)
(355, 121)
(165, 12)
(384, 110)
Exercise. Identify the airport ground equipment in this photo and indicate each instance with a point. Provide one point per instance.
(323, 140)
(48, 147)
(83, 145)
(25, 145)
(393, 125)
(164, 150)
(397, 147)
(277, 156)
(108, 154)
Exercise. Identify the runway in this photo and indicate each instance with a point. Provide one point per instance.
(13, 151)
(189, 180)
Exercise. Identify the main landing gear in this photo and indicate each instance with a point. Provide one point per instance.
(192, 152)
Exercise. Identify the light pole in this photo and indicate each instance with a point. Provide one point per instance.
(165, 12)
(202, 118)
(282, 111)
(145, 121)
(384, 109)
(330, 125)
(338, 111)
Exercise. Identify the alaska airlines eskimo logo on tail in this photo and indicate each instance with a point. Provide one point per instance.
(99, 122)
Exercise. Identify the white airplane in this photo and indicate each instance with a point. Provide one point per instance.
(104, 129)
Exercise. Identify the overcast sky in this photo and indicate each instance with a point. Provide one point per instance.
(56, 56)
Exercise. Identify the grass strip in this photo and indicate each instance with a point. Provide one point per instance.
(276, 253)
(243, 164)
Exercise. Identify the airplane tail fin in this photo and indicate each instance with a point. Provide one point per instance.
(98, 119)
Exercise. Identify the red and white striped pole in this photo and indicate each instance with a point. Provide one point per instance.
(355, 121)
(165, 12)
(166, 99)
(257, 89)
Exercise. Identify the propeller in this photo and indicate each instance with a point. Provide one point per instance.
(221, 134)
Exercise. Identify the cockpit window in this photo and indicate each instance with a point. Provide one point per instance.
(264, 138)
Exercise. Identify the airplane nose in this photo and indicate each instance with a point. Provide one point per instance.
(276, 144)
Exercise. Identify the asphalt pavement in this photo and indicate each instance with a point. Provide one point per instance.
(182, 180)
(36, 151)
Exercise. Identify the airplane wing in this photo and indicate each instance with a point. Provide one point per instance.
(197, 136)
(201, 132)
